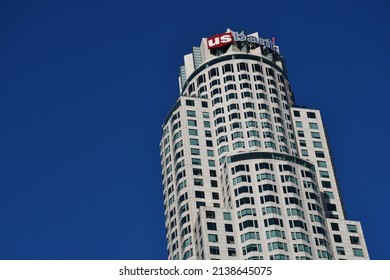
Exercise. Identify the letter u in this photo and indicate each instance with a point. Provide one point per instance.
(212, 42)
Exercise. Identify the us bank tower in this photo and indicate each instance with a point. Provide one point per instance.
(247, 174)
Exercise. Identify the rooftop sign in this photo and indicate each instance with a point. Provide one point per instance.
(229, 38)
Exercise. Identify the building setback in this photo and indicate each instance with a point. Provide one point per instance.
(246, 173)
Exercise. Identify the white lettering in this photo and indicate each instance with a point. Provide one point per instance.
(226, 38)
(221, 40)
(213, 42)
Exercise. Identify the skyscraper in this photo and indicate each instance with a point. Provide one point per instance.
(247, 174)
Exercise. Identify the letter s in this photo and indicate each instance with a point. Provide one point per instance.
(226, 38)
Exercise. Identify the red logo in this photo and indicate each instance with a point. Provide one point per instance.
(219, 40)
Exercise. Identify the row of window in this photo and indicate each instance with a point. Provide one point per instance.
(246, 86)
(214, 238)
(357, 252)
(350, 227)
(213, 226)
(240, 67)
(222, 139)
(214, 250)
(316, 144)
(312, 125)
(257, 70)
(250, 105)
(288, 201)
(310, 115)
(272, 234)
(354, 240)
(263, 165)
(314, 134)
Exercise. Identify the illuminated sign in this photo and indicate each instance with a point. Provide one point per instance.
(225, 39)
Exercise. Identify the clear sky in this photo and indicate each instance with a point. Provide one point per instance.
(85, 87)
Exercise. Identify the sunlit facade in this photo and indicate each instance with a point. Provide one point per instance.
(247, 174)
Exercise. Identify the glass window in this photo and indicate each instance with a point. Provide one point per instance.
(207, 133)
(235, 125)
(210, 214)
(200, 194)
(206, 124)
(227, 216)
(213, 72)
(228, 78)
(335, 226)
(236, 135)
(297, 114)
(357, 252)
(194, 142)
(298, 124)
(190, 102)
(210, 153)
(317, 144)
(200, 204)
(229, 239)
(191, 113)
(187, 254)
(209, 143)
(211, 226)
(340, 250)
(337, 238)
(214, 250)
(193, 132)
(196, 161)
(331, 207)
(321, 163)
(304, 152)
(254, 143)
(315, 135)
(204, 104)
(197, 171)
(311, 115)
(242, 66)
(211, 163)
(320, 154)
(257, 68)
(223, 149)
(239, 144)
(198, 182)
(195, 151)
(192, 122)
(232, 252)
(228, 228)
(213, 238)
(324, 174)
(351, 228)
(354, 240)
(313, 125)
(329, 195)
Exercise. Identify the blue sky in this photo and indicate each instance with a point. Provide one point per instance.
(86, 85)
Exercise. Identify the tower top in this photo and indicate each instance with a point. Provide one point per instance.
(230, 42)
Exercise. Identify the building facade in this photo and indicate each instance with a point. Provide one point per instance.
(246, 173)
